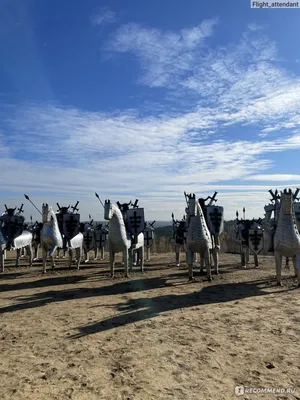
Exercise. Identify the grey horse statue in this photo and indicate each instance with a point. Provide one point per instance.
(13, 236)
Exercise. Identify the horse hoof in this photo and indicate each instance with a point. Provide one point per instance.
(279, 284)
(210, 279)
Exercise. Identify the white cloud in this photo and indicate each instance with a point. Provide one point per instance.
(104, 16)
(164, 56)
(71, 153)
(275, 177)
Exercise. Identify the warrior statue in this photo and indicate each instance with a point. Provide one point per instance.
(148, 238)
(250, 236)
(13, 235)
(179, 237)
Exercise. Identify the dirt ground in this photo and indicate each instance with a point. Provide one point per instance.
(81, 335)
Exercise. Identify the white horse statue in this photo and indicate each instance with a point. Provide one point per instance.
(50, 235)
(51, 238)
(287, 237)
(119, 239)
(198, 236)
(14, 239)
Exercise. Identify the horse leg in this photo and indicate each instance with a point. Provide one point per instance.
(96, 253)
(36, 252)
(134, 258)
(177, 251)
(129, 254)
(247, 254)
(70, 257)
(190, 257)
(287, 265)
(102, 253)
(112, 263)
(2, 257)
(44, 260)
(294, 259)
(29, 252)
(78, 255)
(297, 268)
(278, 260)
(148, 254)
(208, 265)
(255, 260)
(243, 258)
(18, 257)
(215, 254)
(141, 252)
(86, 256)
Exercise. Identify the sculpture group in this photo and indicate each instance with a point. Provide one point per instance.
(128, 233)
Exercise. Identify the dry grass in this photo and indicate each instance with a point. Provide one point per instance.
(80, 335)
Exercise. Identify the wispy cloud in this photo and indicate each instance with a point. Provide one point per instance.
(275, 177)
(104, 16)
(164, 56)
(156, 157)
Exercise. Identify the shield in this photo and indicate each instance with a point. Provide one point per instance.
(135, 221)
(89, 240)
(256, 240)
(71, 224)
(148, 237)
(15, 226)
(215, 219)
(297, 214)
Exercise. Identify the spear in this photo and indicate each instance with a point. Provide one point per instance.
(244, 210)
(27, 198)
(97, 195)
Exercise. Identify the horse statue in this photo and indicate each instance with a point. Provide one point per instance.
(138, 245)
(121, 239)
(250, 236)
(51, 238)
(214, 218)
(69, 223)
(101, 232)
(179, 237)
(94, 238)
(13, 235)
(198, 239)
(287, 236)
(36, 230)
(148, 238)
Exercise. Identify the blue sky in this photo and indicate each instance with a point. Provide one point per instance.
(147, 100)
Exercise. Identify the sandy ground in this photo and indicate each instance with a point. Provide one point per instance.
(81, 335)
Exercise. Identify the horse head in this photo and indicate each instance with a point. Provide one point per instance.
(107, 209)
(45, 212)
(286, 202)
